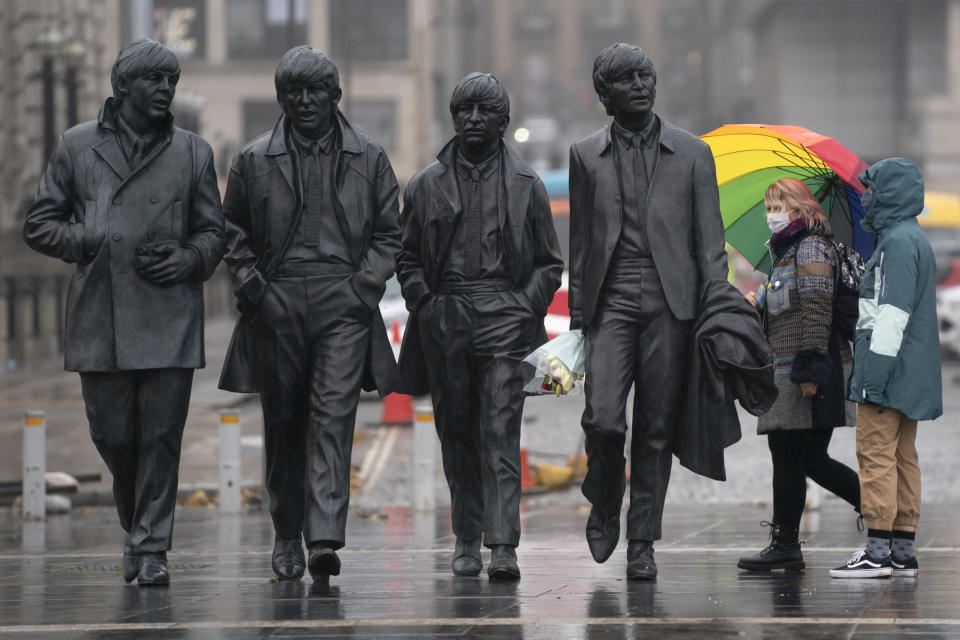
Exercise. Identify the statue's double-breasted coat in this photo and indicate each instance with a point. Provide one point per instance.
(92, 209)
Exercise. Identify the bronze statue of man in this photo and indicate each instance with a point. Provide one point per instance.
(479, 266)
(313, 233)
(132, 200)
(645, 233)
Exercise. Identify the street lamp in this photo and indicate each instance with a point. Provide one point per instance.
(48, 43)
(73, 53)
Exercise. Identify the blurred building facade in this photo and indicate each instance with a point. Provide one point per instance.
(229, 50)
(56, 57)
(882, 76)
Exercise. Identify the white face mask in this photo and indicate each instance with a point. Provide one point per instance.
(778, 221)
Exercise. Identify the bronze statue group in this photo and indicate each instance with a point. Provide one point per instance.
(311, 229)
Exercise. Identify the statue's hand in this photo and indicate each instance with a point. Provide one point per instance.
(178, 266)
(245, 305)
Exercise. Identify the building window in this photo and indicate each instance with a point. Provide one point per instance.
(265, 28)
(609, 13)
(368, 30)
(178, 24)
(377, 118)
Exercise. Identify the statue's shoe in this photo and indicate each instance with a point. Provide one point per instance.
(640, 564)
(466, 558)
(288, 561)
(603, 531)
(503, 563)
(153, 570)
(323, 563)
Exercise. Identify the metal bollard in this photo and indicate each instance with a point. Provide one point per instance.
(34, 465)
(230, 462)
(424, 456)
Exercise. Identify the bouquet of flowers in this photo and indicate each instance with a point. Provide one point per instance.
(557, 365)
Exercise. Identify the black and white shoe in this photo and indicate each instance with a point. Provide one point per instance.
(862, 565)
(908, 568)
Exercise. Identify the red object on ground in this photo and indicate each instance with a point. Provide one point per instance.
(395, 335)
(397, 407)
(526, 478)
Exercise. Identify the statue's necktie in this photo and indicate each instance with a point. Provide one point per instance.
(311, 216)
(474, 225)
(639, 166)
(136, 154)
(639, 171)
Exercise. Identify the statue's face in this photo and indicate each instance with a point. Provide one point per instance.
(479, 125)
(151, 94)
(632, 93)
(310, 108)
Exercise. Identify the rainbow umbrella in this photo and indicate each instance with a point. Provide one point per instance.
(751, 156)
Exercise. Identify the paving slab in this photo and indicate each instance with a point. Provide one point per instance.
(64, 582)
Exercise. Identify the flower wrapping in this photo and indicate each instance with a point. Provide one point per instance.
(556, 367)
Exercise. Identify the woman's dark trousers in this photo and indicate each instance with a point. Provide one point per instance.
(801, 454)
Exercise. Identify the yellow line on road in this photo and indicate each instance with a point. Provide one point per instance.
(381, 461)
(370, 456)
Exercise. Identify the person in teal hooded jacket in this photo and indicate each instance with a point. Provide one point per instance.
(896, 370)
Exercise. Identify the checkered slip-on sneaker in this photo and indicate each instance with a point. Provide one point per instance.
(862, 565)
(907, 568)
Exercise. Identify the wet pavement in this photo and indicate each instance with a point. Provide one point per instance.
(396, 582)
(62, 579)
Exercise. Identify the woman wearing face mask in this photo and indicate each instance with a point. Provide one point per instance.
(797, 309)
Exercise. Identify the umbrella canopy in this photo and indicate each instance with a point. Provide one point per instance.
(751, 156)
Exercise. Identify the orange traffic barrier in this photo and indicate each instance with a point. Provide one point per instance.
(397, 407)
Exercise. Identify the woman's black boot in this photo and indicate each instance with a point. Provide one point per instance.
(783, 552)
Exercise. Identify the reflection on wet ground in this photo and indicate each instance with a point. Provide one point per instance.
(396, 583)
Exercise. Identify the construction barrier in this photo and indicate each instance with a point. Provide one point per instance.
(397, 407)
(526, 477)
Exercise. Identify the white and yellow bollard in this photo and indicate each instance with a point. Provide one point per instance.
(424, 456)
(230, 462)
(34, 465)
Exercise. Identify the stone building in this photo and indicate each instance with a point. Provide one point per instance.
(230, 48)
(56, 57)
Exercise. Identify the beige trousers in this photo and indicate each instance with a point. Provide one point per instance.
(889, 468)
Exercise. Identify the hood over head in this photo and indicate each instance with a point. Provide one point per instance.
(897, 185)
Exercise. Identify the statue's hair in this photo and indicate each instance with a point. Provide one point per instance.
(481, 88)
(614, 61)
(305, 66)
(140, 57)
